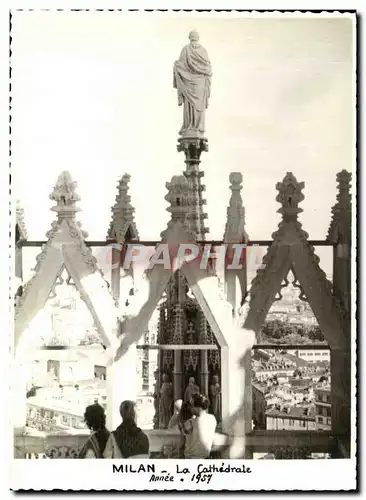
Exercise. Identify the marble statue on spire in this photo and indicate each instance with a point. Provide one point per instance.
(192, 79)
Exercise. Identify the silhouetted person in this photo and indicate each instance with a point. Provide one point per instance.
(128, 440)
(95, 419)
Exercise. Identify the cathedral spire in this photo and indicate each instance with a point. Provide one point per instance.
(235, 221)
(65, 196)
(340, 226)
(123, 220)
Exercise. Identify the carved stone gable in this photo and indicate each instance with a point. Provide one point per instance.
(291, 251)
(65, 248)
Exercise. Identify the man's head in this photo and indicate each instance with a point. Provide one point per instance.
(191, 380)
(193, 36)
(127, 411)
(199, 403)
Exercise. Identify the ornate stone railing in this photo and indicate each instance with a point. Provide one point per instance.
(277, 444)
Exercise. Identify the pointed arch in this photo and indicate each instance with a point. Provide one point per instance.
(295, 255)
(65, 249)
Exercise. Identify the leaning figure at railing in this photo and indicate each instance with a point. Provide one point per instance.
(199, 431)
(95, 419)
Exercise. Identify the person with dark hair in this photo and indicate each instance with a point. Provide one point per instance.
(199, 430)
(95, 419)
(128, 440)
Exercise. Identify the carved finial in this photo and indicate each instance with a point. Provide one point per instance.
(19, 221)
(197, 216)
(65, 196)
(179, 198)
(235, 222)
(340, 226)
(290, 195)
(123, 214)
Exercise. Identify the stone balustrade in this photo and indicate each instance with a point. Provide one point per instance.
(164, 444)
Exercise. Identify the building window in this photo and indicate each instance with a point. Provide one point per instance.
(329, 421)
(320, 420)
(302, 423)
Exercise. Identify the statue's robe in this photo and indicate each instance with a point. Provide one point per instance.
(165, 404)
(192, 79)
(215, 393)
(190, 391)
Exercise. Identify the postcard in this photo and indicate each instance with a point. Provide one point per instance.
(183, 273)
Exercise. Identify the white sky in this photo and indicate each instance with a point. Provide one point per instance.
(92, 94)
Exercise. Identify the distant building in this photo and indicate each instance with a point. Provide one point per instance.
(49, 419)
(323, 406)
(311, 355)
(62, 408)
(68, 366)
(291, 418)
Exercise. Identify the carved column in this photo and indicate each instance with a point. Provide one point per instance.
(203, 338)
(192, 148)
(340, 235)
(177, 375)
(177, 339)
(121, 385)
(116, 274)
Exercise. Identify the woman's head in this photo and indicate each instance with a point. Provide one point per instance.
(94, 417)
(199, 403)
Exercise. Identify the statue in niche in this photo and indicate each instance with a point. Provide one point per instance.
(165, 402)
(192, 79)
(215, 396)
(191, 390)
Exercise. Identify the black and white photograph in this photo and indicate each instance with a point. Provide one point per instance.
(183, 250)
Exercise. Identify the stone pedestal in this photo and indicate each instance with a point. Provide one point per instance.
(237, 394)
(121, 385)
(19, 379)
